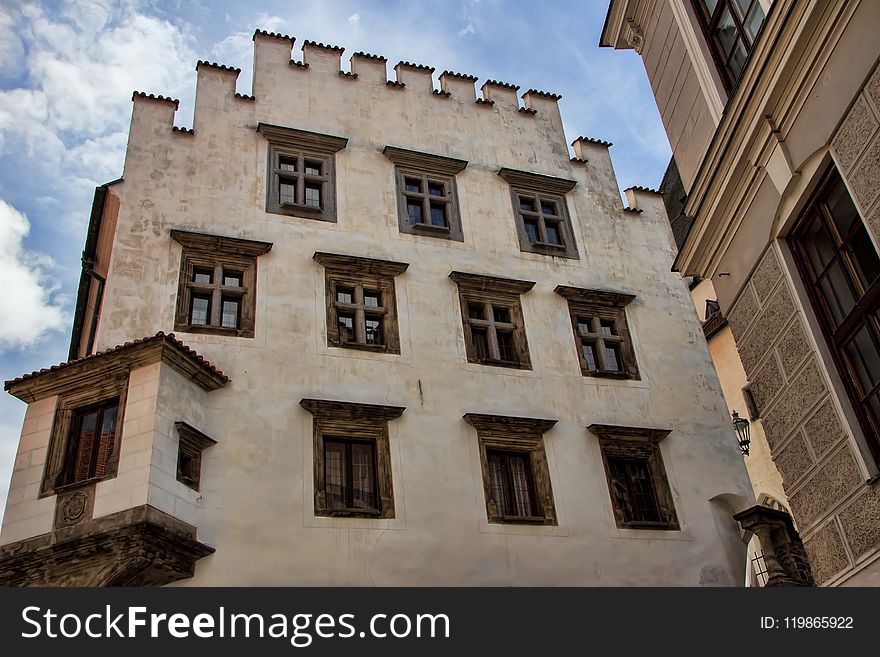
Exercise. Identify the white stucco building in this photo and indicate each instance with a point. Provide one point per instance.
(449, 355)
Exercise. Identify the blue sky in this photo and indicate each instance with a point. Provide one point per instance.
(67, 70)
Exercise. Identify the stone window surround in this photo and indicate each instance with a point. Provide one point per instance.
(60, 441)
(358, 421)
(605, 305)
(216, 252)
(426, 166)
(516, 434)
(644, 444)
(357, 271)
(505, 292)
(299, 144)
(192, 443)
(547, 188)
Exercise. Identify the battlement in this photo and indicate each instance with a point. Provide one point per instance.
(219, 67)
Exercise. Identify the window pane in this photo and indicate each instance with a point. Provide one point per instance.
(738, 57)
(106, 440)
(438, 214)
(345, 322)
(373, 326)
(203, 276)
(520, 477)
(414, 210)
(506, 351)
(552, 230)
(864, 257)
(501, 315)
(548, 208)
(287, 163)
(497, 480)
(230, 313)
(287, 192)
(201, 310)
(313, 195)
(588, 349)
(585, 325)
(863, 357)
(344, 295)
(642, 492)
(413, 185)
(834, 287)
(436, 189)
(372, 299)
(476, 311)
(725, 33)
(526, 204)
(312, 168)
(841, 207)
(363, 480)
(612, 358)
(754, 21)
(710, 6)
(742, 6)
(818, 244)
(606, 327)
(481, 343)
(334, 474)
(231, 278)
(531, 230)
(85, 446)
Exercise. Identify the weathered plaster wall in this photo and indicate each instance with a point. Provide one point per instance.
(256, 504)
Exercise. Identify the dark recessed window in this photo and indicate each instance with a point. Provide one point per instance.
(92, 442)
(350, 475)
(731, 27)
(513, 489)
(841, 269)
(189, 454)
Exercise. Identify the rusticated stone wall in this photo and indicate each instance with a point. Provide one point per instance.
(837, 514)
(856, 149)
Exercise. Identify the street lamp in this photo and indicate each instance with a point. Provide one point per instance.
(742, 432)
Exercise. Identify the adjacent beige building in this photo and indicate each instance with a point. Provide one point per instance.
(415, 342)
(772, 110)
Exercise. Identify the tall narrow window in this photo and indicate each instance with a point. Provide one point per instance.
(731, 28)
(350, 474)
(841, 269)
(92, 441)
(510, 474)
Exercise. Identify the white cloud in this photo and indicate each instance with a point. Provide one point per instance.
(34, 306)
(354, 19)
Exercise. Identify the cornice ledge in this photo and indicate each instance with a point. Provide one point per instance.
(345, 410)
(293, 137)
(481, 283)
(617, 432)
(434, 163)
(486, 423)
(607, 298)
(537, 181)
(350, 264)
(215, 243)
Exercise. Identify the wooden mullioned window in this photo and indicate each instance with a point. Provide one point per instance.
(427, 198)
(301, 177)
(516, 478)
(361, 302)
(494, 329)
(189, 454)
(639, 489)
(217, 289)
(542, 221)
(840, 268)
(92, 442)
(731, 28)
(601, 332)
(352, 469)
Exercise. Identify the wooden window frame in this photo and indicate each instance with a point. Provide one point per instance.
(708, 24)
(192, 443)
(62, 442)
(349, 444)
(217, 254)
(542, 188)
(493, 293)
(601, 305)
(642, 445)
(301, 145)
(521, 436)
(341, 420)
(427, 168)
(358, 274)
(867, 297)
